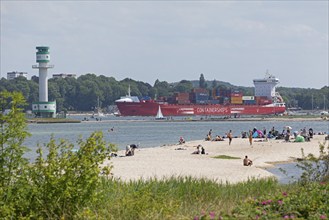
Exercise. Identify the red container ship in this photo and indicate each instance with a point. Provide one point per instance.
(265, 102)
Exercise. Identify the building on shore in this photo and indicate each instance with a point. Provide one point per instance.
(15, 74)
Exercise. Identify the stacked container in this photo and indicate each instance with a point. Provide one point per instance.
(236, 98)
(199, 96)
(248, 100)
(182, 98)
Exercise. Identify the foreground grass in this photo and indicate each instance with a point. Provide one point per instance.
(174, 198)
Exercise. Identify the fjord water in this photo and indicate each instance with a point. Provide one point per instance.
(148, 132)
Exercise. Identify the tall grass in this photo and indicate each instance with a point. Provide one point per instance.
(173, 198)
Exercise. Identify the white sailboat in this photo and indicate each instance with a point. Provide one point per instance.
(159, 115)
(98, 109)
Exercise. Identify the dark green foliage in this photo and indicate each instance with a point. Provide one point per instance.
(310, 201)
(13, 132)
(55, 185)
(81, 94)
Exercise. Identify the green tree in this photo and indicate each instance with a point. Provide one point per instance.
(184, 86)
(13, 132)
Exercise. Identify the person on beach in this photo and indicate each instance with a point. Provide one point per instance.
(209, 133)
(181, 140)
(130, 149)
(229, 136)
(218, 138)
(250, 137)
(247, 161)
(203, 151)
(198, 150)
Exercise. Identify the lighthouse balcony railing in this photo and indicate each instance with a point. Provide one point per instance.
(37, 67)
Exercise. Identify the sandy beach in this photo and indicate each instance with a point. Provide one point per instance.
(178, 160)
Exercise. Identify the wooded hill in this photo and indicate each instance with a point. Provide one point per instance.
(82, 93)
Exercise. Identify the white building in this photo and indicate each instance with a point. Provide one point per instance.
(15, 74)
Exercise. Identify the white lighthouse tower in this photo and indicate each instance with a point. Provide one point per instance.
(43, 108)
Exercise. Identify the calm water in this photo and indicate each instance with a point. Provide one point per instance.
(150, 133)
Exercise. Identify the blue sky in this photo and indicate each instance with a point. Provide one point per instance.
(232, 41)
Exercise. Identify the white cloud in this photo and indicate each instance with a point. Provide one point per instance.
(177, 39)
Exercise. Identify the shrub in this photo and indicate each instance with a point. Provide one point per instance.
(54, 186)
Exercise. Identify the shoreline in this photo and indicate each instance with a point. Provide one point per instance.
(177, 160)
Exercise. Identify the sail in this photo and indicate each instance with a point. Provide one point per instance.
(159, 114)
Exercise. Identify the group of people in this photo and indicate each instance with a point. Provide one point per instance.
(229, 135)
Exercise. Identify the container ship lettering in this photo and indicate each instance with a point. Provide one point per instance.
(218, 102)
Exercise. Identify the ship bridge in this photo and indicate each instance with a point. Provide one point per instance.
(266, 86)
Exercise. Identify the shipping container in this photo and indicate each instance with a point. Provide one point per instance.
(235, 102)
(236, 98)
(249, 102)
(248, 97)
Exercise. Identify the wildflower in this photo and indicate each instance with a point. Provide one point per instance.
(257, 217)
(284, 194)
(286, 217)
(292, 216)
(280, 202)
(323, 217)
(196, 218)
(212, 215)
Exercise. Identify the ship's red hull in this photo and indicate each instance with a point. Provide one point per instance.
(151, 109)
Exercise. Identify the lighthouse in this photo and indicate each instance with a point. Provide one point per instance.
(43, 108)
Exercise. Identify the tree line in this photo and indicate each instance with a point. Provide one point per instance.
(85, 92)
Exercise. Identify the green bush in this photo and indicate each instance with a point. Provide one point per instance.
(54, 186)
(305, 202)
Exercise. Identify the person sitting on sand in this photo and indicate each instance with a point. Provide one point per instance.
(218, 138)
(198, 150)
(181, 140)
(247, 161)
(130, 149)
(203, 151)
(208, 138)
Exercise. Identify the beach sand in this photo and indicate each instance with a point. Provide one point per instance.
(167, 161)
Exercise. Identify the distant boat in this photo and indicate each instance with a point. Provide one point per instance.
(99, 112)
(159, 115)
